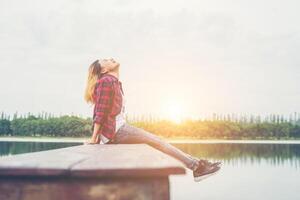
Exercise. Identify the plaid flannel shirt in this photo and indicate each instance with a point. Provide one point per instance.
(108, 103)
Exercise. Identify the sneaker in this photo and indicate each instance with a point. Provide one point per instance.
(205, 170)
(206, 162)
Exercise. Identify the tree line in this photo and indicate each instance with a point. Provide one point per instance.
(216, 127)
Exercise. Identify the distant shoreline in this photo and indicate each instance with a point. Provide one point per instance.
(171, 140)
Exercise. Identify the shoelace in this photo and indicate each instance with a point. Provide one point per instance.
(206, 162)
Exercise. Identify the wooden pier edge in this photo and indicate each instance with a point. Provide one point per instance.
(111, 171)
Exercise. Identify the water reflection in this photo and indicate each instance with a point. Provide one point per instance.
(234, 154)
(230, 154)
(249, 171)
(10, 148)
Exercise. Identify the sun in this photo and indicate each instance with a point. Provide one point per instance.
(174, 111)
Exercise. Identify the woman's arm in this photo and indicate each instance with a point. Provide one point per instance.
(95, 137)
(104, 94)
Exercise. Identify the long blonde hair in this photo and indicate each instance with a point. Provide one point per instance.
(93, 75)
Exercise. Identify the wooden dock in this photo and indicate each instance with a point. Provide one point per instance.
(89, 172)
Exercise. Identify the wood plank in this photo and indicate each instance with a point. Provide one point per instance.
(137, 160)
(93, 160)
(50, 162)
(84, 188)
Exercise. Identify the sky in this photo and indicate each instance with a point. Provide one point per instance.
(177, 58)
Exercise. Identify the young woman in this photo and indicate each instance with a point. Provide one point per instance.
(104, 90)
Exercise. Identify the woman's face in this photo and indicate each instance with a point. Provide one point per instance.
(108, 65)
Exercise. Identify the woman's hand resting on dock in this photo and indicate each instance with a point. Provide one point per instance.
(95, 137)
(93, 140)
(90, 141)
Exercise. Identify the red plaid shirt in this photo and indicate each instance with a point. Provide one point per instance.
(108, 103)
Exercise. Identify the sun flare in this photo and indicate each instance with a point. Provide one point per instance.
(174, 111)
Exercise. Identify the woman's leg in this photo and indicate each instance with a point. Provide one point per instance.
(129, 134)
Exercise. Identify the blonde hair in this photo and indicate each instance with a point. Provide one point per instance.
(93, 75)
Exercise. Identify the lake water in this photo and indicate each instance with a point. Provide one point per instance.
(249, 171)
